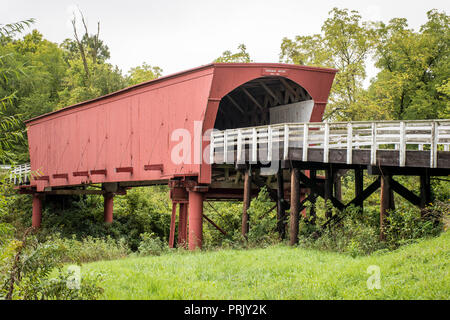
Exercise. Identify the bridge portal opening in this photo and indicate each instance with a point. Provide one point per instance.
(263, 101)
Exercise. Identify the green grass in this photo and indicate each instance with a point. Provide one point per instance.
(417, 271)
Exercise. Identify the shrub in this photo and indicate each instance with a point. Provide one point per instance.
(262, 231)
(26, 274)
(352, 235)
(92, 249)
(151, 245)
(406, 224)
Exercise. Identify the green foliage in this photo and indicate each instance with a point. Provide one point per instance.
(143, 73)
(151, 245)
(414, 70)
(242, 56)
(406, 225)
(345, 43)
(262, 231)
(91, 249)
(353, 235)
(26, 275)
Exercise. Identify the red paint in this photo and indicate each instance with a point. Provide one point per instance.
(60, 176)
(195, 220)
(125, 169)
(157, 167)
(108, 205)
(94, 172)
(182, 225)
(172, 225)
(37, 211)
(132, 128)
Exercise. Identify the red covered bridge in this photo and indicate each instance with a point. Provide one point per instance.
(158, 132)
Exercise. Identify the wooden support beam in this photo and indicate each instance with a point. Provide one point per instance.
(281, 213)
(359, 185)
(385, 203)
(182, 225)
(99, 172)
(320, 191)
(405, 193)
(288, 87)
(81, 174)
(357, 201)
(252, 99)
(338, 186)
(328, 190)
(364, 194)
(214, 225)
(154, 167)
(295, 207)
(172, 225)
(246, 202)
(270, 91)
(60, 176)
(312, 197)
(124, 169)
(425, 189)
(235, 104)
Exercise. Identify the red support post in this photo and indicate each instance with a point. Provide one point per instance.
(108, 207)
(172, 225)
(182, 225)
(37, 211)
(195, 220)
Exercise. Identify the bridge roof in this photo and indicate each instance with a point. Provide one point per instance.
(181, 73)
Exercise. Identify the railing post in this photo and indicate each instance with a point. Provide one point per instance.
(211, 148)
(269, 143)
(326, 141)
(286, 142)
(305, 142)
(225, 147)
(349, 143)
(433, 148)
(254, 146)
(239, 146)
(402, 151)
(373, 150)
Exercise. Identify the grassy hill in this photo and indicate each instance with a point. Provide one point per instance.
(417, 271)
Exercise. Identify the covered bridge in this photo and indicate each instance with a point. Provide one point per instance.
(158, 132)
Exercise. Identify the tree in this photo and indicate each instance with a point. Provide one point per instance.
(88, 74)
(11, 128)
(239, 57)
(415, 68)
(345, 43)
(142, 73)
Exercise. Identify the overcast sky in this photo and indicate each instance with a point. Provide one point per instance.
(178, 35)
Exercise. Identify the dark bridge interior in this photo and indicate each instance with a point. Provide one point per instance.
(248, 105)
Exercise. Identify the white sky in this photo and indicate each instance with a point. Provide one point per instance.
(177, 35)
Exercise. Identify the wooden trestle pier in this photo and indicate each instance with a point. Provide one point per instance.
(294, 152)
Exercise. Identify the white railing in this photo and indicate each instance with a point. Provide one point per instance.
(20, 174)
(429, 135)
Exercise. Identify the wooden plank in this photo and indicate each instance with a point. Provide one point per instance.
(295, 207)
(154, 167)
(246, 204)
(241, 110)
(405, 193)
(270, 92)
(253, 99)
